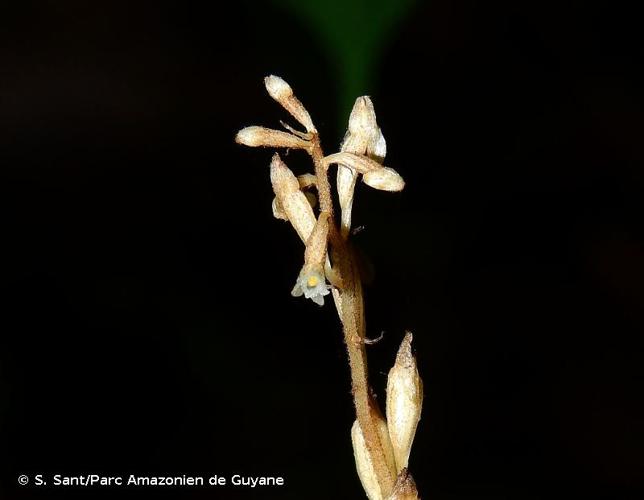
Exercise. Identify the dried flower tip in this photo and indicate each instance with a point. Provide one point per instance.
(364, 463)
(405, 487)
(267, 137)
(312, 284)
(291, 200)
(404, 402)
(384, 179)
(282, 92)
(282, 179)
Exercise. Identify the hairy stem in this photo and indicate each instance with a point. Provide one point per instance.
(350, 306)
(323, 187)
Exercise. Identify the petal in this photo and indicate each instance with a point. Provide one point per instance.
(318, 299)
(297, 290)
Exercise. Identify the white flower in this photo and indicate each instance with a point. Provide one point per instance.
(312, 284)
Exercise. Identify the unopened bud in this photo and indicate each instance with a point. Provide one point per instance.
(282, 92)
(261, 136)
(362, 121)
(290, 199)
(384, 179)
(364, 463)
(404, 402)
(365, 138)
(359, 163)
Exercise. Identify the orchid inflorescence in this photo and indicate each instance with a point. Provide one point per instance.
(381, 447)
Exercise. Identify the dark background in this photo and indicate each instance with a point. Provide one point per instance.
(147, 325)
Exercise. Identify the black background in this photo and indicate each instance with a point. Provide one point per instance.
(147, 323)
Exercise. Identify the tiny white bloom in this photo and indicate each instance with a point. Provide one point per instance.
(312, 285)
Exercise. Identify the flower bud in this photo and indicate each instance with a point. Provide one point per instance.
(384, 179)
(359, 163)
(362, 137)
(364, 464)
(305, 181)
(290, 199)
(362, 124)
(282, 92)
(404, 402)
(261, 136)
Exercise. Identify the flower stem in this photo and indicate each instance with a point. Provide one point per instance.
(350, 305)
(323, 187)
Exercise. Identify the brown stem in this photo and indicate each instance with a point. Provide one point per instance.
(324, 189)
(349, 302)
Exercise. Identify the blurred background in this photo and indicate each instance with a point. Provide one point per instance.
(147, 322)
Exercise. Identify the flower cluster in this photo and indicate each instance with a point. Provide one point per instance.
(381, 446)
(362, 152)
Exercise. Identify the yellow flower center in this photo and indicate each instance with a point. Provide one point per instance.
(312, 281)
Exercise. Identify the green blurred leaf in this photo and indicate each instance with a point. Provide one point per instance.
(353, 33)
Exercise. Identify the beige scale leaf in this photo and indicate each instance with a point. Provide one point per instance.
(364, 464)
(404, 402)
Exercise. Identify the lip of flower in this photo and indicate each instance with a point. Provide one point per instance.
(312, 285)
